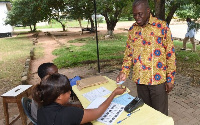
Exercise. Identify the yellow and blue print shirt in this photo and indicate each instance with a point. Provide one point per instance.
(151, 51)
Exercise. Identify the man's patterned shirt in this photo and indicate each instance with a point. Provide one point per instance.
(151, 51)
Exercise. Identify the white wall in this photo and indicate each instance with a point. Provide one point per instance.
(3, 14)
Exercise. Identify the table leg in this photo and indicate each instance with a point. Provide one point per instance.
(5, 106)
(22, 114)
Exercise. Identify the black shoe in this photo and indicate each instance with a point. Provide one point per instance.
(183, 49)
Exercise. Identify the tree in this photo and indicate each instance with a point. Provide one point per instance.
(165, 9)
(112, 11)
(55, 9)
(79, 9)
(189, 10)
(29, 12)
(26, 13)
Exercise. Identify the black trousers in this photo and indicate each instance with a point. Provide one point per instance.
(154, 96)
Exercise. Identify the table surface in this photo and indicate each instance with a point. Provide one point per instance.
(16, 91)
(145, 116)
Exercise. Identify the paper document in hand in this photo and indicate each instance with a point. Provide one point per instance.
(92, 95)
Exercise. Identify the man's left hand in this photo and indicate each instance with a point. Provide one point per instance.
(169, 87)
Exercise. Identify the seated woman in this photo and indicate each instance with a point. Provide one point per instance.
(48, 69)
(54, 92)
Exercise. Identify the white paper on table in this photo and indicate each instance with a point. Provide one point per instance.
(92, 95)
(96, 103)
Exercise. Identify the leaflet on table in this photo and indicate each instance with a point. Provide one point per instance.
(124, 99)
(92, 95)
(111, 114)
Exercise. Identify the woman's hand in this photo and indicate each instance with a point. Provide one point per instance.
(119, 91)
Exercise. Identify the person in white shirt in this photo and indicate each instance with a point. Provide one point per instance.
(189, 35)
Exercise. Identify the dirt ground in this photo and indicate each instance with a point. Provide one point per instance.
(49, 44)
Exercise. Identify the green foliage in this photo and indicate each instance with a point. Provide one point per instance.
(57, 10)
(29, 12)
(25, 12)
(80, 8)
(127, 12)
(189, 10)
(100, 19)
(6, 0)
(112, 10)
(75, 56)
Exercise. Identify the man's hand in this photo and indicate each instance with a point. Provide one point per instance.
(169, 87)
(121, 77)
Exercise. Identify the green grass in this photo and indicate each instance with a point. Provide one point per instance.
(188, 62)
(182, 56)
(110, 50)
(13, 53)
(54, 24)
(76, 56)
(111, 55)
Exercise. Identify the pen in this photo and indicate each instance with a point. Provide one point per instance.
(128, 115)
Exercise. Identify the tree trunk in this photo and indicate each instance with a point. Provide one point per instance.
(63, 25)
(171, 12)
(110, 25)
(31, 28)
(112, 20)
(92, 22)
(110, 32)
(34, 27)
(79, 20)
(160, 9)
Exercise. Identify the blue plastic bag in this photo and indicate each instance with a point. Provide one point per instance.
(73, 80)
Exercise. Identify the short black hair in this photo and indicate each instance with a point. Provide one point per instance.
(188, 19)
(42, 69)
(137, 2)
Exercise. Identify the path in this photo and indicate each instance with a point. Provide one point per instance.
(184, 105)
(49, 45)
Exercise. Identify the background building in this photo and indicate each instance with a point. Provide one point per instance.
(5, 30)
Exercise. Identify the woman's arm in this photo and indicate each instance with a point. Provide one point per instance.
(93, 114)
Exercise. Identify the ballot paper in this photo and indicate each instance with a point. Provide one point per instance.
(96, 103)
(111, 114)
(99, 92)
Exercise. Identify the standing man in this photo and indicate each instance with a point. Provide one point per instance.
(189, 35)
(150, 50)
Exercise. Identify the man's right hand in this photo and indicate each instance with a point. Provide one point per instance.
(121, 77)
